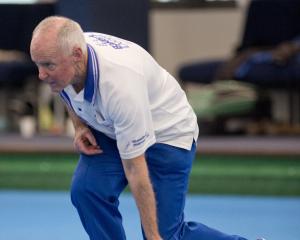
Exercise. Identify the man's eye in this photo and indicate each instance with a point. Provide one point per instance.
(50, 66)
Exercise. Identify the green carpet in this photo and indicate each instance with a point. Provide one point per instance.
(254, 175)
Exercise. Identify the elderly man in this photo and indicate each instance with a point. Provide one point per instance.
(133, 125)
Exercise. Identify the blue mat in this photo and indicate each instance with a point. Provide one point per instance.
(49, 215)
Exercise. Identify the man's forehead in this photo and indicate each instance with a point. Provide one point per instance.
(49, 36)
(43, 52)
(43, 41)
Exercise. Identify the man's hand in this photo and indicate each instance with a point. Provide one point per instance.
(85, 142)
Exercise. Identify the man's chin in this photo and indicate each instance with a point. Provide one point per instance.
(55, 89)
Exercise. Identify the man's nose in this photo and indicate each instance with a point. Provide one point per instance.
(42, 74)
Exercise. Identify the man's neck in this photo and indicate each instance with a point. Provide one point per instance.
(81, 74)
(78, 87)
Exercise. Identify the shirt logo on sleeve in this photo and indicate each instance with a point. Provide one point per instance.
(137, 142)
(140, 140)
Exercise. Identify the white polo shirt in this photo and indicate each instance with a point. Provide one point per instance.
(130, 98)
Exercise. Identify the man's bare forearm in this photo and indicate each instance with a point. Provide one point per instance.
(146, 204)
(77, 123)
(141, 188)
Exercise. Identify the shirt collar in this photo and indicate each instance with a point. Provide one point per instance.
(92, 79)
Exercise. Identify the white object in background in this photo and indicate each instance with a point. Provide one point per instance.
(70, 131)
(27, 126)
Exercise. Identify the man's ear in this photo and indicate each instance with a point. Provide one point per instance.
(77, 53)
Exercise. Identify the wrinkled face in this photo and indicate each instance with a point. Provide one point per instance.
(55, 67)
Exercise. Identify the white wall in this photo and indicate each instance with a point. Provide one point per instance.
(178, 36)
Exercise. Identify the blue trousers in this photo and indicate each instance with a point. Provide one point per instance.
(99, 180)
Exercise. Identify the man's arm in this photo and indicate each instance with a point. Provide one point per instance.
(136, 171)
(84, 140)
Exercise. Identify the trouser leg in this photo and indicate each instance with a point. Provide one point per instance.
(169, 169)
(96, 186)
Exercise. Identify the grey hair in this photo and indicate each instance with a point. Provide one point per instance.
(69, 33)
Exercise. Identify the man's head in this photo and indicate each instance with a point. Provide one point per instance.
(59, 50)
